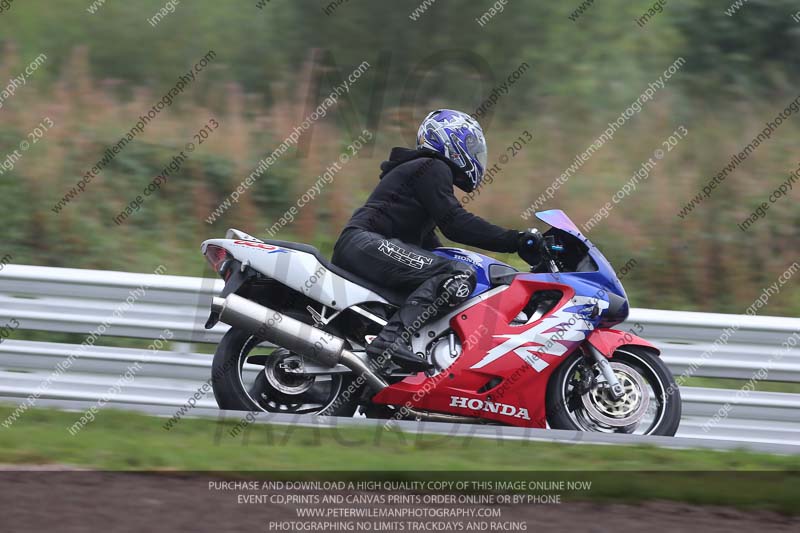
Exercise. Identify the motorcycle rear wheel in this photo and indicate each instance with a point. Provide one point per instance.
(651, 405)
(239, 385)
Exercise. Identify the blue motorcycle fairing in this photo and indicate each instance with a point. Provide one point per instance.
(600, 284)
(479, 262)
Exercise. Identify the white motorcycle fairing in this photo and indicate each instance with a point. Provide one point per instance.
(299, 270)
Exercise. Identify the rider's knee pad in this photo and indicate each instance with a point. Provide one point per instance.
(457, 287)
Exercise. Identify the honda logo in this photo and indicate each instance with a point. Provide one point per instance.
(476, 404)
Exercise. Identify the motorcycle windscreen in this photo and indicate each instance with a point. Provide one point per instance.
(558, 219)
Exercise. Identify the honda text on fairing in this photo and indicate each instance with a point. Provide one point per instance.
(532, 349)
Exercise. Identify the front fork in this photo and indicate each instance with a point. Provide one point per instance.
(605, 368)
(602, 343)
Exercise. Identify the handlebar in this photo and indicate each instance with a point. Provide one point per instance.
(548, 249)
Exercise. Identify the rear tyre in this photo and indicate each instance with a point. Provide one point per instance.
(651, 405)
(246, 376)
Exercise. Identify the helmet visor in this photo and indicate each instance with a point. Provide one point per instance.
(482, 159)
(476, 147)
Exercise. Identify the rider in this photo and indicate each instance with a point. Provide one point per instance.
(388, 240)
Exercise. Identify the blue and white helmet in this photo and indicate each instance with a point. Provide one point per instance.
(459, 138)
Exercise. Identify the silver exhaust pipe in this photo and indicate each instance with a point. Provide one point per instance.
(287, 332)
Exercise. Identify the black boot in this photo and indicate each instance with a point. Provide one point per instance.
(424, 304)
(394, 342)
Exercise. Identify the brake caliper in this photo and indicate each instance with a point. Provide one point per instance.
(583, 380)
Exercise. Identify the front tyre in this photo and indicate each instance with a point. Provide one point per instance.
(578, 397)
(246, 375)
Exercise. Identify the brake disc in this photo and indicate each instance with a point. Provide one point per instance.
(601, 406)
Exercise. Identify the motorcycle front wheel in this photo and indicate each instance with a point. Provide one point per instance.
(578, 397)
(249, 375)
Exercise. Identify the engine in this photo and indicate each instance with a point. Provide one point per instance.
(444, 351)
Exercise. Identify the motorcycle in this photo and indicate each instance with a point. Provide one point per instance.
(531, 349)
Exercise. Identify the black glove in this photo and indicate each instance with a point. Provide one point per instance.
(530, 247)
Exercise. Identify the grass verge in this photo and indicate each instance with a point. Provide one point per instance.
(728, 383)
(128, 441)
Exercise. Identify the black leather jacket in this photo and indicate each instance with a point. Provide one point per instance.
(415, 196)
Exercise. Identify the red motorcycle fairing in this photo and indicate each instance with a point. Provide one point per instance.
(503, 370)
(607, 341)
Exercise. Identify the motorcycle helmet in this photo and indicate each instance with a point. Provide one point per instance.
(458, 138)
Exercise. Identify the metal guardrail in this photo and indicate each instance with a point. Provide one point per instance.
(76, 301)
